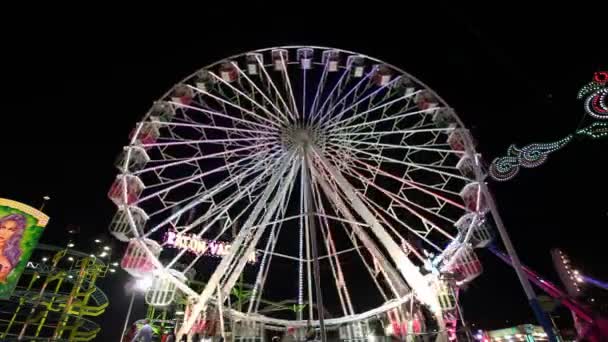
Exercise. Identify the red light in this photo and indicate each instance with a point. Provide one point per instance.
(601, 77)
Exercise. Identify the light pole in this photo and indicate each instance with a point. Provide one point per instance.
(541, 317)
(135, 286)
(124, 329)
(44, 200)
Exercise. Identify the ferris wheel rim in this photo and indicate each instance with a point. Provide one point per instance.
(240, 54)
(189, 77)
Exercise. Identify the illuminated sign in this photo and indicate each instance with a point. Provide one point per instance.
(199, 246)
(20, 229)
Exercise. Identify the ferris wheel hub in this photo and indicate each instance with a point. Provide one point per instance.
(302, 137)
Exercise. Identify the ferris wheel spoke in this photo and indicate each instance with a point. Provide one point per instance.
(408, 131)
(285, 119)
(214, 213)
(413, 184)
(261, 279)
(219, 128)
(396, 283)
(263, 269)
(197, 258)
(393, 117)
(337, 119)
(170, 181)
(287, 80)
(405, 147)
(188, 180)
(250, 99)
(378, 209)
(203, 157)
(397, 199)
(318, 92)
(207, 194)
(237, 241)
(405, 245)
(280, 197)
(400, 200)
(272, 124)
(332, 255)
(210, 114)
(214, 216)
(352, 90)
(330, 96)
(407, 182)
(304, 116)
(303, 239)
(278, 94)
(207, 141)
(345, 121)
(414, 165)
(228, 263)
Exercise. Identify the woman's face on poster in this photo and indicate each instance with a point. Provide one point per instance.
(7, 229)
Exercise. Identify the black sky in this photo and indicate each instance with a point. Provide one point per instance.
(77, 87)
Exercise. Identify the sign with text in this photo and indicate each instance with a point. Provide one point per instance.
(200, 246)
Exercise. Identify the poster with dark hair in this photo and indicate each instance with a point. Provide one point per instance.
(20, 229)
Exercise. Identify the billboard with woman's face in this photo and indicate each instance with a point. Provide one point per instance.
(20, 229)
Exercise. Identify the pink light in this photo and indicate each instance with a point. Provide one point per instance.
(196, 245)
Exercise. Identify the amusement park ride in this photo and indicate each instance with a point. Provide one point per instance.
(57, 297)
(308, 158)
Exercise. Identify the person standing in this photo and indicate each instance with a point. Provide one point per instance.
(145, 333)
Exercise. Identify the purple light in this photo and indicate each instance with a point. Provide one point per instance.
(595, 282)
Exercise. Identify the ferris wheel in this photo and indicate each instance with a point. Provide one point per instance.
(320, 176)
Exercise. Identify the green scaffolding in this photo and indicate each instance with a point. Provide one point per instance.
(56, 299)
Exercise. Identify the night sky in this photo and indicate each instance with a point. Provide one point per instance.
(512, 79)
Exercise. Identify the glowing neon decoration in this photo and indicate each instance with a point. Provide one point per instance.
(199, 246)
(595, 95)
(529, 156)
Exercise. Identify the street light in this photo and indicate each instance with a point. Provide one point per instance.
(136, 285)
(45, 199)
(143, 284)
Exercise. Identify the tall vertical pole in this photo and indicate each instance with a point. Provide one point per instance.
(124, 329)
(540, 315)
(313, 237)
